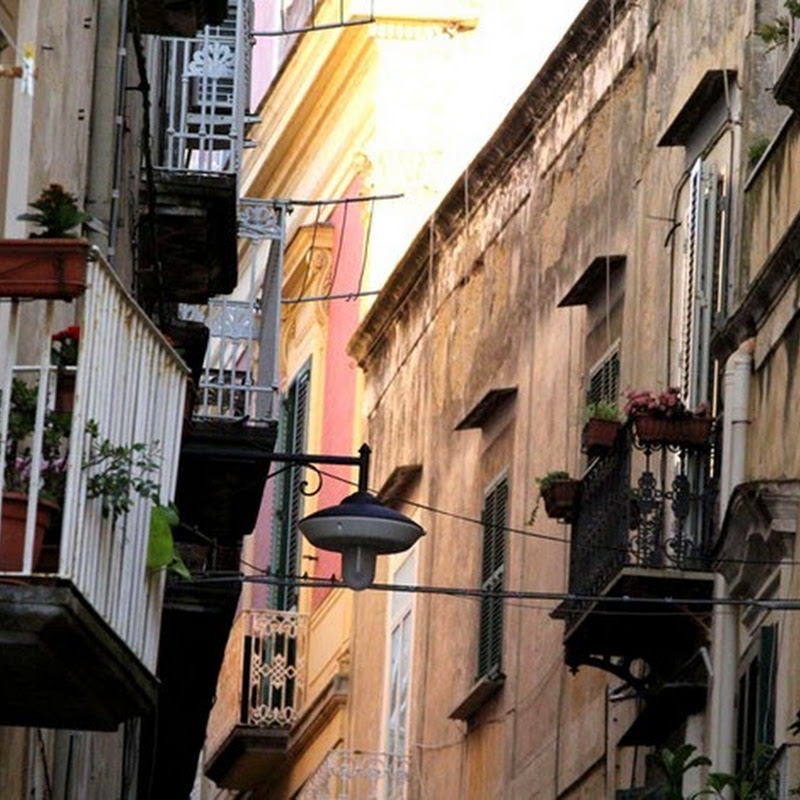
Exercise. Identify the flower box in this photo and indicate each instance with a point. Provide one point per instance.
(45, 269)
(677, 432)
(560, 498)
(598, 436)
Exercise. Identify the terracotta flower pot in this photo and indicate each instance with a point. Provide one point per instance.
(47, 269)
(561, 498)
(598, 436)
(12, 533)
(680, 432)
(65, 390)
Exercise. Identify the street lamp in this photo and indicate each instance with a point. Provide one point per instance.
(360, 527)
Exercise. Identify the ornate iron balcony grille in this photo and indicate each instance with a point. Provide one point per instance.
(262, 684)
(640, 506)
(359, 776)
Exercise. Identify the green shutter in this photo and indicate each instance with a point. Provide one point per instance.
(604, 381)
(288, 493)
(765, 722)
(490, 637)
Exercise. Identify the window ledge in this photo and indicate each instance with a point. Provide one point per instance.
(483, 689)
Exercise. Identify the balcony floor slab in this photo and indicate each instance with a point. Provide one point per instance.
(647, 624)
(62, 665)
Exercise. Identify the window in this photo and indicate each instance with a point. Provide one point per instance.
(495, 519)
(288, 495)
(400, 644)
(755, 719)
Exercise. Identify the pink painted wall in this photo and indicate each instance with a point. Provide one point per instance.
(339, 402)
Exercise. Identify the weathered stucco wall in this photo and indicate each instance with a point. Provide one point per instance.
(574, 173)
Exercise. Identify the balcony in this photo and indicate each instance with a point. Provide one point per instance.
(642, 533)
(259, 697)
(359, 776)
(179, 17)
(80, 612)
(188, 227)
(225, 458)
(786, 67)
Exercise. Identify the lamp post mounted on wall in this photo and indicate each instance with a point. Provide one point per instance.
(360, 527)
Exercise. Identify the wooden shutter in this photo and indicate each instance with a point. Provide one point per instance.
(490, 637)
(700, 281)
(288, 494)
(765, 723)
(604, 381)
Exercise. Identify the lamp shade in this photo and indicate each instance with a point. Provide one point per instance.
(360, 528)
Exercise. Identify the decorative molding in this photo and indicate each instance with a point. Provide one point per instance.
(757, 533)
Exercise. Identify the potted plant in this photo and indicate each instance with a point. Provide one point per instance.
(49, 265)
(117, 472)
(64, 356)
(560, 494)
(603, 421)
(663, 419)
(17, 475)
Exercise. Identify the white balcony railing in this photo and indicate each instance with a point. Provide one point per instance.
(350, 775)
(240, 373)
(199, 114)
(262, 682)
(132, 385)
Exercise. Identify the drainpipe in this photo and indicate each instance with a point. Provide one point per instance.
(724, 645)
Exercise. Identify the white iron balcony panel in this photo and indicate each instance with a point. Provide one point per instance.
(359, 776)
(260, 694)
(641, 532)
(79, 608)
(202, 96)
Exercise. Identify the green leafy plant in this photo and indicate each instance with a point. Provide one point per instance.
(161, 551)
(603, 409)
(757, 149)
(19, 454)
(118, 472)
(673, 765)
(776, 33)
(57, 212)
(64, 347)
(546, 481)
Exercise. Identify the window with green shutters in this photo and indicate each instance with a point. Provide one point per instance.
(755, 717)
(288, 494)
(495, 521)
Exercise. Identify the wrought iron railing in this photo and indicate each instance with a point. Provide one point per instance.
(359, 776)
(131, 385)
(262, 682)
(640, 506)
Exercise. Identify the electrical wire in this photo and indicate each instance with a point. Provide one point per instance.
(623, 601)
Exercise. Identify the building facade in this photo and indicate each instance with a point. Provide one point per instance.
(111, 651)
(628, 227)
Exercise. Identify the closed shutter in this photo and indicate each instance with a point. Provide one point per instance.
(490, 638)
(765, 730)
(288, 494)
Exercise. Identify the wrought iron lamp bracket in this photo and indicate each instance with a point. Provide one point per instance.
(312, 462)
